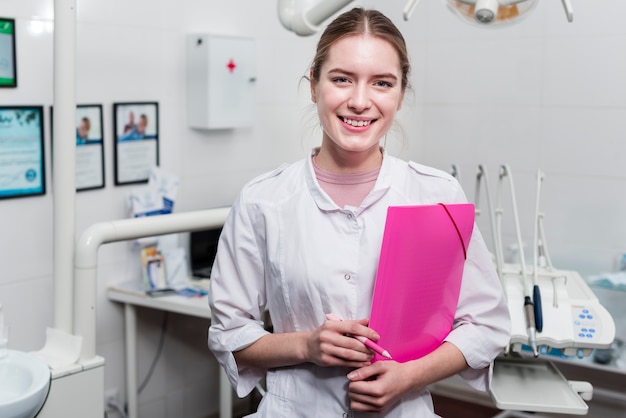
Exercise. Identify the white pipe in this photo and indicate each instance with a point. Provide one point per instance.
(130, 322)
(305, 19)
(64, 159)
(86, 258)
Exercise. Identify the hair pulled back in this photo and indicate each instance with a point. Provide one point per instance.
(359, 21)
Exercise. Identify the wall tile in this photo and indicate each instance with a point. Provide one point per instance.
(585, 71)
(569, 133)
(486, 71)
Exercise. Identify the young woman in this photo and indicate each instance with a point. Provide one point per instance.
(303, 241)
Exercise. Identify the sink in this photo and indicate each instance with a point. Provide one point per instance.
(24, 384)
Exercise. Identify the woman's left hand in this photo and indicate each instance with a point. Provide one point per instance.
(378, 387)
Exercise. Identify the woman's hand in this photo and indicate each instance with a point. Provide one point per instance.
(331, 345)
(378, 387)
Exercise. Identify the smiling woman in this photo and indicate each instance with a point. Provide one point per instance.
(358, 93)
(303, 242)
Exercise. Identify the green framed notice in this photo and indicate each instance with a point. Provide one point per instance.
(8, 64)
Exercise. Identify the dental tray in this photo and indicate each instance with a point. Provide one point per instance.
(574, 321)
(520, 384)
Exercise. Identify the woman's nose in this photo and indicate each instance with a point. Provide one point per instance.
(359, 99)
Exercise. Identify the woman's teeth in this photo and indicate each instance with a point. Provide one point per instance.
(357, 122)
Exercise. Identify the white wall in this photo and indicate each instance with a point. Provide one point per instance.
(543, 94)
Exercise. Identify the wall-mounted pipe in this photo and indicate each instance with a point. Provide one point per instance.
(64, 160)
(86, 258)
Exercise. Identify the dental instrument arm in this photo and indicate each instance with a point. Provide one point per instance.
(480, 176)
(536, 290)
(455, 172)
(409, 8)
(505, 171)
(569, 12)
(498, 240)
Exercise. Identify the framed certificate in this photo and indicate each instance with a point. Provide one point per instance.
(8, 64)
(89, 147)
(136, 127)
(22, 158)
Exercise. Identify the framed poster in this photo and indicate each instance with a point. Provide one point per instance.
(22, 159)
(136, 127)
(89, 147)
(8, 63)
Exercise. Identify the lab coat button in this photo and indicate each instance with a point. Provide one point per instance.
(347, 276)
(349, 216)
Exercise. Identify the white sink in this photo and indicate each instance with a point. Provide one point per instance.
(24, 384)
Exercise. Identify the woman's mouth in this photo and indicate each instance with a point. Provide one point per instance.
(356, 123)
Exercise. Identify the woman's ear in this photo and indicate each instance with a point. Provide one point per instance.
(312, 84)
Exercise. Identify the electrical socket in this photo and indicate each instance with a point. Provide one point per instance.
(111, 395)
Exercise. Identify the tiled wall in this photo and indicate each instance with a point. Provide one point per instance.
(543, 94)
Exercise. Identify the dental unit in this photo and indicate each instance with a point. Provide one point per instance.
(553, 313)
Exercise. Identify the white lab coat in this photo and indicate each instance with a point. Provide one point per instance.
(288, 248)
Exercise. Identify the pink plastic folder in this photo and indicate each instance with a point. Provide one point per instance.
(419, 277)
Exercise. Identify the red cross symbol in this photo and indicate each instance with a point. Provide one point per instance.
(231, 65)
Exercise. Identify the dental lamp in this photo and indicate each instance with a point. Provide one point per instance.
(304, 17)
(497, 12)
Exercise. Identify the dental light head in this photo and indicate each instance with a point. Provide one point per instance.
(497, 12)
(491, 12)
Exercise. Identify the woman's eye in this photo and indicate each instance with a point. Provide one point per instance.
(383, 84)
(340, 79)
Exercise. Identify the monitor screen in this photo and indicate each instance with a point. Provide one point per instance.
(21, 151)
(202, 250)
(8, 72)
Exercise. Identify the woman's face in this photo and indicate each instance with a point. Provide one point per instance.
(358, 93)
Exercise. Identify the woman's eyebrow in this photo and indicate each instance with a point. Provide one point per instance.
(352, 74)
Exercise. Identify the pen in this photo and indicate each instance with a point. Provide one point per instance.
(368, 343)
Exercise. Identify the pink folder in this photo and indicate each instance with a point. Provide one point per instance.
(419, 277)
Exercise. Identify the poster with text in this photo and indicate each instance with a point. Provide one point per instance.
(89, 147)
(22, 170)
(136, 141)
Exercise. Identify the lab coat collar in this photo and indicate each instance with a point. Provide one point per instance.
(325, 203)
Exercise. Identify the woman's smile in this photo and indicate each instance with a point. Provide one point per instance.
(356, 122)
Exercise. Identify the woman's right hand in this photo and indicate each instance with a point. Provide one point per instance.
(331, 345)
